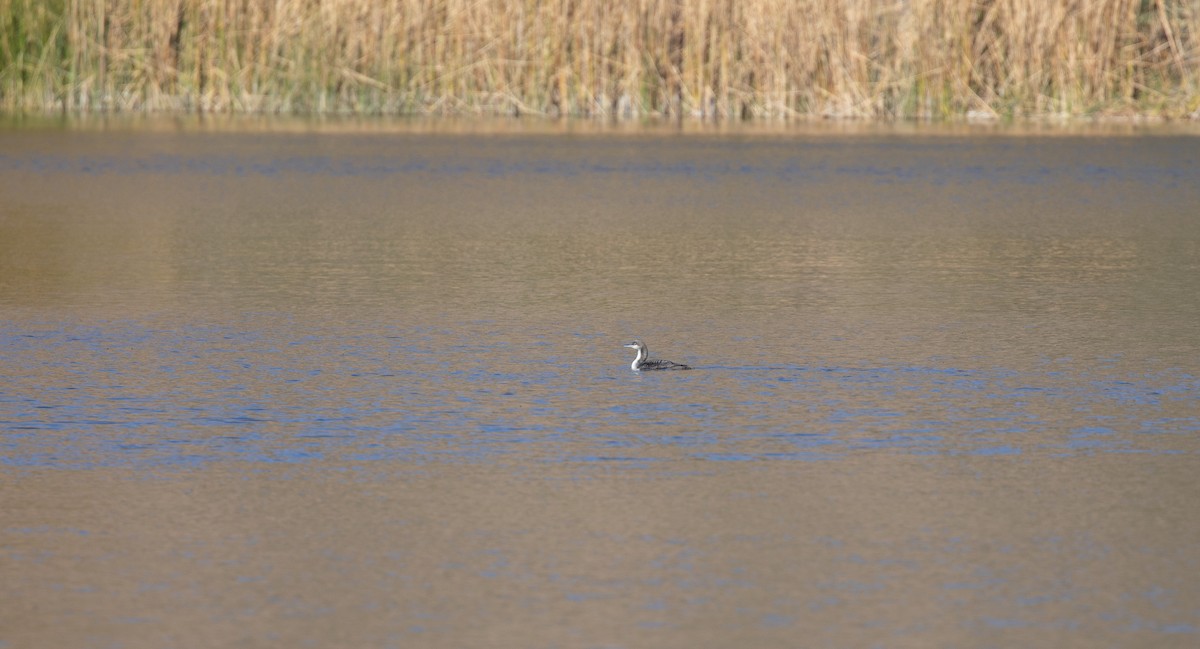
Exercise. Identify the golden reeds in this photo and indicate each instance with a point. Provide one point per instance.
(714, 58)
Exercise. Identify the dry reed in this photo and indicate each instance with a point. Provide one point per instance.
(718, 58)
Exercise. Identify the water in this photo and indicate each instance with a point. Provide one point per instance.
(339, 387)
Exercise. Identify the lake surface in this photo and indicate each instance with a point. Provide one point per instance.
(366, 388)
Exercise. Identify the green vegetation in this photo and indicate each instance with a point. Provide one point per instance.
(928, 59)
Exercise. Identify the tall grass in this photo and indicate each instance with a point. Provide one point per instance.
(719, 58)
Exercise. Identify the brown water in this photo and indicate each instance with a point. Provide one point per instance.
(337, 388)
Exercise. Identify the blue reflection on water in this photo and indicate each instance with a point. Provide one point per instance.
(126, 395)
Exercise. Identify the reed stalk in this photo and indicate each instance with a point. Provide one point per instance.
(928, 59)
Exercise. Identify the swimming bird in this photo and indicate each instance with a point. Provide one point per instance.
(642, 362)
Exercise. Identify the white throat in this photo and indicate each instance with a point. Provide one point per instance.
(641, 356)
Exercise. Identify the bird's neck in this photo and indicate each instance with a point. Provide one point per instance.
(641, 356)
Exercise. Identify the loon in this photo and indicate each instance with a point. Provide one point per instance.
(642, 363)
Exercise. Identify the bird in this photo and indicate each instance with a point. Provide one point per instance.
(642, 362)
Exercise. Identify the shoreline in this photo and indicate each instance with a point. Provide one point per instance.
(1113, 126)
